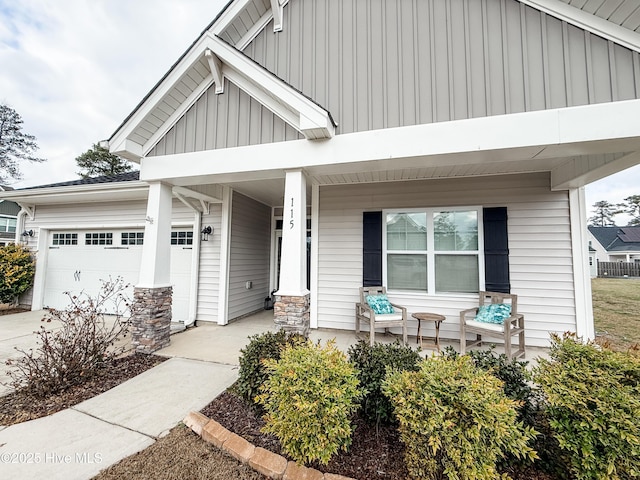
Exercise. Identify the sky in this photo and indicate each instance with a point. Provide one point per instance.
(75, 69)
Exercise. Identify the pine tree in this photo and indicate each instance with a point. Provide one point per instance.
(98, 161)
(604, 213)
(15, 145)
(631, 207)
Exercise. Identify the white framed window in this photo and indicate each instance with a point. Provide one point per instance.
(64, 239)
(132, 238)
(98, 238)
(8, 224)
(434, 250)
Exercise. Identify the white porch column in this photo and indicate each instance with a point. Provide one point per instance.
(291, 308)
(581, 272)
(156, 251)
(293, 261)
(151, 317)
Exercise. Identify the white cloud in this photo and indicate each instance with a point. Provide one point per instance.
(75, 69)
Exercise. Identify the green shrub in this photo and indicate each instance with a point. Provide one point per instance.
(531, 408)
(372, 363)
(593, 398)
(252, 371)
(309, 399)
(455, 420)
(17, 269)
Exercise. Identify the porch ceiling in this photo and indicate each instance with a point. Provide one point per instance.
(270, 189)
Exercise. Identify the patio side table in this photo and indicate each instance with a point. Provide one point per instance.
(429, 317)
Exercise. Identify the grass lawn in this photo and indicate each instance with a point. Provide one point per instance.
(616, 310)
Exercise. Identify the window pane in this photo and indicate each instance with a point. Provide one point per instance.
(11, 225)
(3, 224)
(457, 273)
(455, 231)
(407, 272)
(406, 231)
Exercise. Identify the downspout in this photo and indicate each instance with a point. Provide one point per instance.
(195, 270)
(20, 220)
(195, 257)
(19, 225)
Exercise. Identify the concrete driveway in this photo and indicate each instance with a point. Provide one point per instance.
(17, 331)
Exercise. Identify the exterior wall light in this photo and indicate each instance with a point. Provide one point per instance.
(27, 233)
(206, 231)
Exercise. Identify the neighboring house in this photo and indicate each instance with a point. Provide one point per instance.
(615, 244)
(8, 218)
(436, 147)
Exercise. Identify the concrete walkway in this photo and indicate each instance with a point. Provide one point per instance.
(79, 442)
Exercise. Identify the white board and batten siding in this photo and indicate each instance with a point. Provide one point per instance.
(540, 259)
(249, 256)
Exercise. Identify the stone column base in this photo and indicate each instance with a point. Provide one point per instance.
(151, 319)
(291, 314)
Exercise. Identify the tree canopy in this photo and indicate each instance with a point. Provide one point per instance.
(603, 214)
(631, 207)
(98, 161)
(15, 145)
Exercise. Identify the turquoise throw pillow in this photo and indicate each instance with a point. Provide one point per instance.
(493, 313)
(380, 304)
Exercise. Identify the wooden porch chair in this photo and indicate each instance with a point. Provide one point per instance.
(511, 326)
(364, 313)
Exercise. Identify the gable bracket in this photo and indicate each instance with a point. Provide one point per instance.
(277, 9)
(215, 65)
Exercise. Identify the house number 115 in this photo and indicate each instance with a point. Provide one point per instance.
(291, 219)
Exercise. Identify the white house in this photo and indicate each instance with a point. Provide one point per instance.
(8, 219)
(301, 131)
(615, 244)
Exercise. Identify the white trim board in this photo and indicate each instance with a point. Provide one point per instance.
(547, 134)
(587, 21)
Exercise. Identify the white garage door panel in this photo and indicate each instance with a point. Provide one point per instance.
(81, 268)
(78, 269)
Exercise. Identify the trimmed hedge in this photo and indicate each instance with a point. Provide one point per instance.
(455, 420)
(593, 397)
(309, 397)
(372, 363)
(253, 373)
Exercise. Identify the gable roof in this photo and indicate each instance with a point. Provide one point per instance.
(217, 56)
(209, 61)
(617, 239)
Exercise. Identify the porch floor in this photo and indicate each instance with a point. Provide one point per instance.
(222, 344)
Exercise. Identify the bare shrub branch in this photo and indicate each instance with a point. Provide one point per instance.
(85, 343)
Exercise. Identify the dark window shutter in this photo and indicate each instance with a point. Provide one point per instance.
(371, 249)
(496, 250)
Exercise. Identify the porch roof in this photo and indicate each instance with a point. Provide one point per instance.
(575, 145)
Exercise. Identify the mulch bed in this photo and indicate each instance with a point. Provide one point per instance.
(18, 406)
(374, 453)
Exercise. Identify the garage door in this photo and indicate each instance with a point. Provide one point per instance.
(78, 261)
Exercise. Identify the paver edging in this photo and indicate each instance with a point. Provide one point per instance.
(258, 458)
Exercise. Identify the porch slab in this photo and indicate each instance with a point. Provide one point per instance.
(222, 344)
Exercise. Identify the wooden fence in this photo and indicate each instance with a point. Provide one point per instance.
(618, 269)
